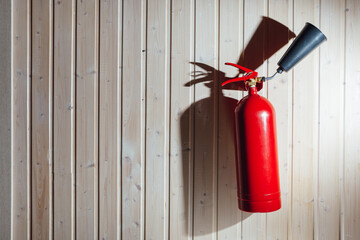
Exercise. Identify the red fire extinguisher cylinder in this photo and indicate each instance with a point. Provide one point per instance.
(257, 158)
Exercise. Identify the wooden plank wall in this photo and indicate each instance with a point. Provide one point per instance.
(121, 130)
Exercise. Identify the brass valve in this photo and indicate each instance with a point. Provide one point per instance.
(252, 81)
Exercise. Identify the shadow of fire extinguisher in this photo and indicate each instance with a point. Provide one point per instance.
(198, 124)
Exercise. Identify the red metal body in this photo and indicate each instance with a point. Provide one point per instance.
(257, 160)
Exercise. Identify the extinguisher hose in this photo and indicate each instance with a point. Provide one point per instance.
(271, 77)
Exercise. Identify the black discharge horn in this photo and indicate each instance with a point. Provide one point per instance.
(308, 39)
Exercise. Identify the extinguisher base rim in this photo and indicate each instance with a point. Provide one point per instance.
(259, 206)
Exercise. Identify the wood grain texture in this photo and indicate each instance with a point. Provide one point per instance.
(181, 120)
(230, 47)
(133, 110)
(305, 131)
(41, 123)
(87, 99)
(108, 119)
(64, 107)
(157, 120)
(350, 213)
(280, 95)
(21, 87)
(206, 120)
(331, 101)
(121, 101)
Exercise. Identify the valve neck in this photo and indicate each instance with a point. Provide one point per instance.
(252, 90)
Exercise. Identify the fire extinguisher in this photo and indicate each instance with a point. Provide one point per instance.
(256, 144)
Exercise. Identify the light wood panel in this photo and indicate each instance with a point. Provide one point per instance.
(206, 120)
(63, 126)
(124, 132)
(41, 120)
(230, 48)
(181, 120)
(350, 211)
(331, 102)
(305, 127)
(109, 137)
(280, 95)
(87, 99)
(133, 116)
(20, 118)
(157, 120)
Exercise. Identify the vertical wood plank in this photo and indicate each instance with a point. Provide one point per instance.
(254, 42)
(119, 114)
(63, 118)
(108, 121)
(20, 118)
(157, 119)
(305, 130)
(87, 90)
(254, 225)
(351, 185)
(280, 95)
(206, 110)
(181, 121)
(230, 48)
(330, 119)
(133, 162)
(41, 124)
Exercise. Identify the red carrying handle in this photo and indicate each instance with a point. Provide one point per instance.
(249, 74)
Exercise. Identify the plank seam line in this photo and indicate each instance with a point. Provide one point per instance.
(96, 119)
(99, 119)
(51, 119)
(168, 97)
(193, 126)
(342, 193)
(144, 25)
(73, 118)
(12, 124)
(29, 118)
(316, 195)
(289, 221)
(217, 88)
(121, 76)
